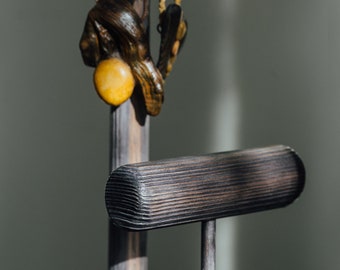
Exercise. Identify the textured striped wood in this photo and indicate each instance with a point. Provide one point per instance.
(208, 245)
(165, 193)
(129, 143)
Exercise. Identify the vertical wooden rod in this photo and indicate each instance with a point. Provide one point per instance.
(208, 245)
(130, 144)
(129, 141)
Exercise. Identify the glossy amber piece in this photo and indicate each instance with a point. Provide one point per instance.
(114, 81)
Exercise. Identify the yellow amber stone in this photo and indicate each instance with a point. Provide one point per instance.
(114, 81)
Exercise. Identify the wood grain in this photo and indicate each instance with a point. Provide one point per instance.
(208, 245)
(129, 143)
(189, 189)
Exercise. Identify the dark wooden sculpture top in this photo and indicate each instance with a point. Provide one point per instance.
(165, 193)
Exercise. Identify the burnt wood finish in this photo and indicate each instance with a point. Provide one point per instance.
(129, 143)
(200, 188)
(208, 245)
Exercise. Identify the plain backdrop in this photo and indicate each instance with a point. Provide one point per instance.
(252, 73)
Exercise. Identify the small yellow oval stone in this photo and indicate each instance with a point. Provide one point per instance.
(113, 81)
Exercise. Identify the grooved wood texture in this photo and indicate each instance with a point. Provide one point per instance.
(189, 189)
(129, 143)
(208, 245)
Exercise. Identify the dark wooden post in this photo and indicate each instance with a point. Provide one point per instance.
(129, 144)
(129, 135)
(208, 245)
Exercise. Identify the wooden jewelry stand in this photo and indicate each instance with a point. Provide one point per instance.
(143, 195)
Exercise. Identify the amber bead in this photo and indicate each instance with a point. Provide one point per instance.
(114, 81)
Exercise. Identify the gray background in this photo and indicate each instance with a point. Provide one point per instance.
(252, 73)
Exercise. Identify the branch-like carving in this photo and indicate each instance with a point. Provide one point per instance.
(114, 29)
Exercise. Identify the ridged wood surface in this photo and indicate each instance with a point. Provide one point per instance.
(170, 192)
(129, 143)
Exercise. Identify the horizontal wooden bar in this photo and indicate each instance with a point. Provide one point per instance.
(169, 192)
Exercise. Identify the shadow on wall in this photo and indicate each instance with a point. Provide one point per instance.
(283, 64)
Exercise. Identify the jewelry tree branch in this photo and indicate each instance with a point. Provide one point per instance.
(115, 41)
